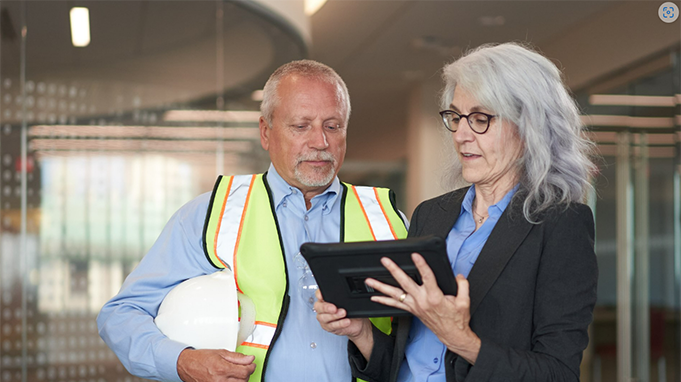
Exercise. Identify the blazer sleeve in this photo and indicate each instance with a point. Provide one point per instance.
(382, 365)
(565, 296)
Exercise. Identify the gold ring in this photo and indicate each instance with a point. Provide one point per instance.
(402, 297)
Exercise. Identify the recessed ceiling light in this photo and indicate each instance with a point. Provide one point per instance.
(80, 26)
(312, 6)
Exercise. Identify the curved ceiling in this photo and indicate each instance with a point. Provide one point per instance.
(145, 54)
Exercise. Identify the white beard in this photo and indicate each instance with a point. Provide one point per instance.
(318, 177)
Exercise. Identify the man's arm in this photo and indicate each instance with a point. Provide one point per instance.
(126, 322)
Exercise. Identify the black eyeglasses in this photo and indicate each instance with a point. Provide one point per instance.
(479, 122)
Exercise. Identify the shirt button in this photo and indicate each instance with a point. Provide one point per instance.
(284, 204)
(313, 345)
(435, 360)
(307, 218)
(295, 191)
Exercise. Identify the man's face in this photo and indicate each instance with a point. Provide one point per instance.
(306, 141)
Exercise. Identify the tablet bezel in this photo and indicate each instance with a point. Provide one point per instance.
(340, 270)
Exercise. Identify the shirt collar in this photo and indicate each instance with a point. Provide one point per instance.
(495, 209)
(281, 189)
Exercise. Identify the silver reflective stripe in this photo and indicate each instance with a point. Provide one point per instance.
(380, 226)
(229, 227)
(262, 335)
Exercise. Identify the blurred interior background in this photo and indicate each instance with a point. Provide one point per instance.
(101, 143)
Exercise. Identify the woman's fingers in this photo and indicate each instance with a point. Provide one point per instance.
(406, 283)
(386, 289)
(427, 275)
(462, 288)
(389, 301)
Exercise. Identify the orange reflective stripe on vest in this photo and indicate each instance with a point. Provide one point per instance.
(229, 229)
(262, 335)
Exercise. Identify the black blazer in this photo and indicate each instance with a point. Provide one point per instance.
(532, 290)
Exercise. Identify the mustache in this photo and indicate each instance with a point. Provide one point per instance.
(324, 156)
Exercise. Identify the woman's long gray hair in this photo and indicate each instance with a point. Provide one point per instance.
(525, 88)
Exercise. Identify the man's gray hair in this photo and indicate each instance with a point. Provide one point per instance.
(522, 86)
(306, 68)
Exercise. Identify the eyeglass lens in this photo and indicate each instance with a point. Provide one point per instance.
(477, 121)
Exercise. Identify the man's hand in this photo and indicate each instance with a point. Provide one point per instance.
(333, 320)
(195, 365)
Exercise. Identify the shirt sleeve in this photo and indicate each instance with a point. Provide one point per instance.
(126, 322)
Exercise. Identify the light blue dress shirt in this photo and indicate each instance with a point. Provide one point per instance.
(424, 352)
(303, 351)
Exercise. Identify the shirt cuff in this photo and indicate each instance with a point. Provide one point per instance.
(166, 354)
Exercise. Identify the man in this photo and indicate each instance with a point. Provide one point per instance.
(254, 225)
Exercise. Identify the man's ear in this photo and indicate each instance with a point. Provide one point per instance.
(264, 133)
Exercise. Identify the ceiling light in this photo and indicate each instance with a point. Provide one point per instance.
(118, 145)
(632, 100)
(257, 95)
(211, 116)
(143, 132)
(80, 26)
(312, 6)
(626, 121)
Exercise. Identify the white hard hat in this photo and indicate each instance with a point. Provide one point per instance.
(203, 312)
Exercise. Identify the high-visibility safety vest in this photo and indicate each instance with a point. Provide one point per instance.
(242, 232)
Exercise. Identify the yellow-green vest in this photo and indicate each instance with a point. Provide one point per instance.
(241, 232)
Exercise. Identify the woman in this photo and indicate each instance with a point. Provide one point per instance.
(519, 240)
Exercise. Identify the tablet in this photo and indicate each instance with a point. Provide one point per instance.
(341, 268)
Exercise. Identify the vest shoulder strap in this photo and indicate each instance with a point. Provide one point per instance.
(370, 214)
(230, 196)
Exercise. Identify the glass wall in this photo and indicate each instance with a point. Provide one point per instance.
(100, 145)
(634, 117)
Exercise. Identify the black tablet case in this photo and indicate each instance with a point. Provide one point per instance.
(341, 268)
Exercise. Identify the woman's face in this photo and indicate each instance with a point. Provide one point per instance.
(487, 160)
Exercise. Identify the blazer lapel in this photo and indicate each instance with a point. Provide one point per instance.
(450, 208)
(506, 237)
